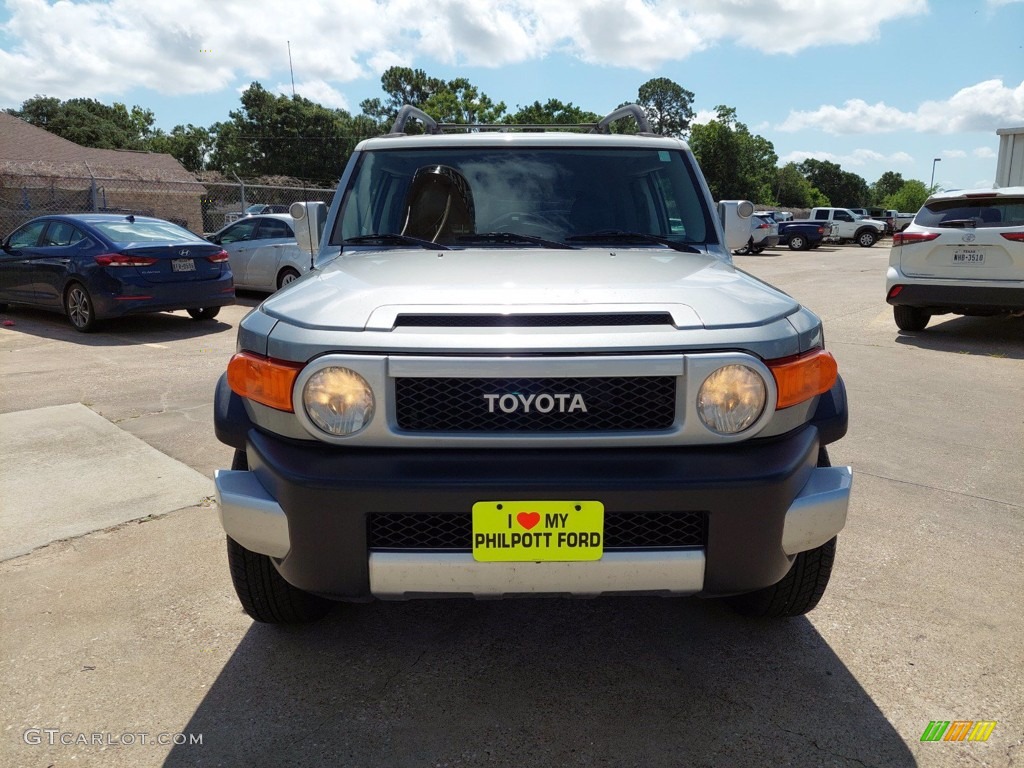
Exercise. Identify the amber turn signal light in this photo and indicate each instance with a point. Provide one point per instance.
(804, 376)
(263, 379)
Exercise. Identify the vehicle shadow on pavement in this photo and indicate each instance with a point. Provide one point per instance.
(993, 336)
(613, 681)
(121, 332)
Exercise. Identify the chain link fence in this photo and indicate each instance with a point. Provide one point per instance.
(201, 206)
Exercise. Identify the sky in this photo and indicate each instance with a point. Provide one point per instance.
(873, 86)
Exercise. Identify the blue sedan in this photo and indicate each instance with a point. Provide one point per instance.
(94, 266)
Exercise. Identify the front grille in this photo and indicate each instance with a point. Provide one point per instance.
(533, 321)
(611, 403)
(453, 532)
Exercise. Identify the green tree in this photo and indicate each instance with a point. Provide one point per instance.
(668, 106)
(551, 112)
(908, 198)
(792, 190)
(737, 164)
(843, 188)
(274, 134)
(89, 122)
(188, 144)
(402, 85)
(459, 101)
(889, 183)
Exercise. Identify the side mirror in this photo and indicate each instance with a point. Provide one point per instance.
(214, 239)
(735, 216)
(310, 219)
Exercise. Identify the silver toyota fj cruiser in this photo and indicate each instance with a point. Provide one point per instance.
(525, 365)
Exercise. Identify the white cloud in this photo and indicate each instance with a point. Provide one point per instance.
(108, 47)
(859, 157)
(985, 152)
(316, 90)
(981, 107)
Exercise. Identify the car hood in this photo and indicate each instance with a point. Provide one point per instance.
(369, 288)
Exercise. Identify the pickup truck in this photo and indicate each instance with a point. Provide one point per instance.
(848, 226)
(802, 235)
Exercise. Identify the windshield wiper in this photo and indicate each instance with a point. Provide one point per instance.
(619, 235)
(511, 238)
(392, 239)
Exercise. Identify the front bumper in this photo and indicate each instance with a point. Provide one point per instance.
(307, 506)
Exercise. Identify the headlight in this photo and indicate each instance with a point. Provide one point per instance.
(338, 400)
(731, 399)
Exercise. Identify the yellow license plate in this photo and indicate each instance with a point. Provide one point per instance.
(531, 531)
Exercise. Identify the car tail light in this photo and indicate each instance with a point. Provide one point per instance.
(895, 291)
(804, 376)
(263, 379)
(909, 238)
(218, 257)
(764, 225)
(124, 260)
(1017, 237)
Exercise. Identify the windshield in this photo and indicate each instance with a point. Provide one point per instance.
(456, 196)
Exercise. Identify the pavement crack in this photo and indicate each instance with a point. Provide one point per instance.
(820, 748)
(962, 494)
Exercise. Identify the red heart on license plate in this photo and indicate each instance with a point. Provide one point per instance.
(528, 519)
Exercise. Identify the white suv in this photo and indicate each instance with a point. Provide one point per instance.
(963, 254)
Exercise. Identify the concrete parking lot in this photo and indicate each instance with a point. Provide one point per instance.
(122, 644)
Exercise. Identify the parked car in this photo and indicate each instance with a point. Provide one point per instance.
(259, 208)
(263, 251)
(95, 266)
(779, 216)
(964, 254)
(803, 235)
(764, 233)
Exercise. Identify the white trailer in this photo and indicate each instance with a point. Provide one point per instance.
(1010, 165)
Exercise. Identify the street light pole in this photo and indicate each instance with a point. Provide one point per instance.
(932, 184)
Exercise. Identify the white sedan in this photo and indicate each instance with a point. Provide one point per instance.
(263, 252)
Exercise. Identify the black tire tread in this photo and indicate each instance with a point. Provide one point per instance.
(261, 590)
(910, 318)
(802, 588)
(265, 595)
(799, 591)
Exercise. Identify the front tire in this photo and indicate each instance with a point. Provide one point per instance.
(910, 318)
(866, 239)
(798, 243)
(261, 590)
(79, 308)
(206, 313)
(265, 595)
(802, 588)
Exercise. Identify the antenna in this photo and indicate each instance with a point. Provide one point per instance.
(292, 71)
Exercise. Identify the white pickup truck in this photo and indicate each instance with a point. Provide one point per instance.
(848, 226)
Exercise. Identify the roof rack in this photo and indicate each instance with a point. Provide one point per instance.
(435, 128)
